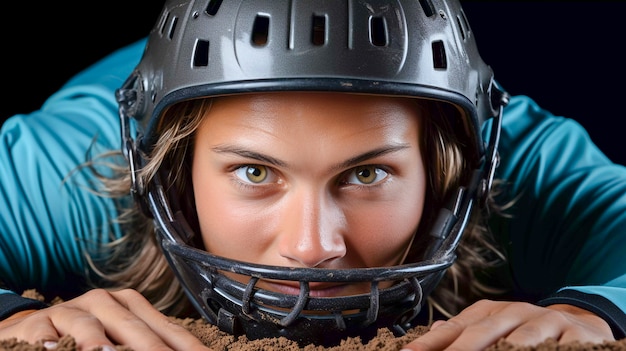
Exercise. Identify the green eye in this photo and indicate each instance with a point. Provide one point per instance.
(252, 173)
(366, 175)
(256, 174)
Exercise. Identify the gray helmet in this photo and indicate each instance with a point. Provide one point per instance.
(411, 48)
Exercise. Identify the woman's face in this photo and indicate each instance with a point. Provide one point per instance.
(300, 179)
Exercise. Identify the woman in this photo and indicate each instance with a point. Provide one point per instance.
(316, 181)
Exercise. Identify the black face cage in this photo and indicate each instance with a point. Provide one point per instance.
(244, 309)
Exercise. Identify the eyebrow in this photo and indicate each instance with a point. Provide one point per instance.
(369, 155)
(231, 149)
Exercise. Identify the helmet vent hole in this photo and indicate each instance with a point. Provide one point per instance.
(428, 7)
(461, 28)
(378, 31)
(212, 7)
(260, 30)
(201, 54)
(172, 27)
(439, 55)
(318, 31)
(163, 21)
(172, 21)
(465, 23)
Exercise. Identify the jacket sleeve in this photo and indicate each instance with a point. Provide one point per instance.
(49, 214)
(566, 231)
(11, 303)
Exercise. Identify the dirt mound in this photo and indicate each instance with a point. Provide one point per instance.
(384, 341)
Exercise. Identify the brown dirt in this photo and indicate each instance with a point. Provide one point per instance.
(385, 341)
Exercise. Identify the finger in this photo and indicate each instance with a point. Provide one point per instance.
(535, 330)
(456, 335)
(117, 321)
(173, 334)
(433, 340)
(443, 333)
(500, 321)
(140, 318)
(30, 326)
(86, 329)
(475, 328)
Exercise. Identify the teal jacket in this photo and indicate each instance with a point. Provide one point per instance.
(565, 236)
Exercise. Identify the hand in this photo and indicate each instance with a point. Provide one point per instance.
(102, 319)
(486, 322)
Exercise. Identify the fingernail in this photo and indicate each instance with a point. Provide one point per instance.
(108, 348)
(50, 345)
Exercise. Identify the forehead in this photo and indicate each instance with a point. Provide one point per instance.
(342, 110)
(311, 127)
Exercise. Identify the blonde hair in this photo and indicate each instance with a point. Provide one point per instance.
(137, 253)
(477, 252)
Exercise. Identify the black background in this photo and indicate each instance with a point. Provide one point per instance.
(568, 56)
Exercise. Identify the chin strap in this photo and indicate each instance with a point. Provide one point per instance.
(447, 229)
(130, 100)
(500, 99)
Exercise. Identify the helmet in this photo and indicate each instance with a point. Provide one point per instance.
(205, 48)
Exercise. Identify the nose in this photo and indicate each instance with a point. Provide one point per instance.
(313, 230)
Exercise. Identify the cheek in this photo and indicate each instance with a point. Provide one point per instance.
(380, 235)
(227, 229)
(224, 227)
